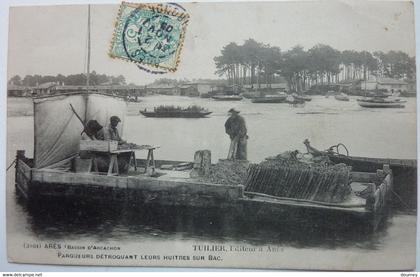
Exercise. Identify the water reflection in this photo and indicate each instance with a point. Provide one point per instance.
(59, 219)
(272, 129)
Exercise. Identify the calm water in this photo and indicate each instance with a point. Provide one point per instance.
(273, 128)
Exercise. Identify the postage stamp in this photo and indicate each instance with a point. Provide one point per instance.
(151, 35)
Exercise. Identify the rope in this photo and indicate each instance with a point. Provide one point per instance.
(337, 151)
(14, 161)
(341, 144)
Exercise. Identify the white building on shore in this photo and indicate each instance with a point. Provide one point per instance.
(388, 84)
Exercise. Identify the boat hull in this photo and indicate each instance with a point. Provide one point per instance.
(346, 99)
(238, 205)
(371, 104)
(268, 100)
(302, 97)
(227, 98)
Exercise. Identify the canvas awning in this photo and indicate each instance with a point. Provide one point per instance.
(57, 129)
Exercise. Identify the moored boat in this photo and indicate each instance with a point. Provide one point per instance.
(329, 93)
(249, 95)
(279, 98)
(302, 97)
(177, 112)
(205, 95)
(380, 102)
(342, 97)
(294, 101)
(227, 97)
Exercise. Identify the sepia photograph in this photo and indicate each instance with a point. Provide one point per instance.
(260, 135)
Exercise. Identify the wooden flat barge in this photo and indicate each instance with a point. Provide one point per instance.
(178, 189)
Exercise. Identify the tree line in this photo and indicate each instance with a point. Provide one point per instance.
(253, 63)
(180, 82)
(73, 79)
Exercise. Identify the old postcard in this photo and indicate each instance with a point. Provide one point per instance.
(272, 135)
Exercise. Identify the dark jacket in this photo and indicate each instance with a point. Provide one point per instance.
(235, 126)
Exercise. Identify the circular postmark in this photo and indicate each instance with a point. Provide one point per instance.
(150, 37)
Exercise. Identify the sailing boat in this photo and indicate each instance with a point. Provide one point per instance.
(380, 100)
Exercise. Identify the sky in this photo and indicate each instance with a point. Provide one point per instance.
(49, 40)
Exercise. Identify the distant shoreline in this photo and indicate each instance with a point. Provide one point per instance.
(19, 106)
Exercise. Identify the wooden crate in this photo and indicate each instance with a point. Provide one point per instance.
(98, 145)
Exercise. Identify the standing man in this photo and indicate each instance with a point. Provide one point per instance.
(113, 131)
(236, 129)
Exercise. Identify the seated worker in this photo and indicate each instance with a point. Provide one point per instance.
(113, 131)
(113, 134)
(94, 131)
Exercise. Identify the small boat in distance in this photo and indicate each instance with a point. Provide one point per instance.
(205, 95)
(227, 97)
(249, 95)
(329, 93)
(301, 97)
(294, 101)
(275, 98)
(381, 102)
(342, 97)
(177, 112)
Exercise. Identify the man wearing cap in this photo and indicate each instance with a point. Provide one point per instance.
(236, 129)
(113, 131)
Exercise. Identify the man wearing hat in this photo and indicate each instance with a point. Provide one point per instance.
(236, 129)
(113, 131)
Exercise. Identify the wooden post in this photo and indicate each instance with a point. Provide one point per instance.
(389, 182)
(150, 169)
(202, 163)
(113, 165)
(370, 200)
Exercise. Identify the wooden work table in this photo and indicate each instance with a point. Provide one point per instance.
(113, 159)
